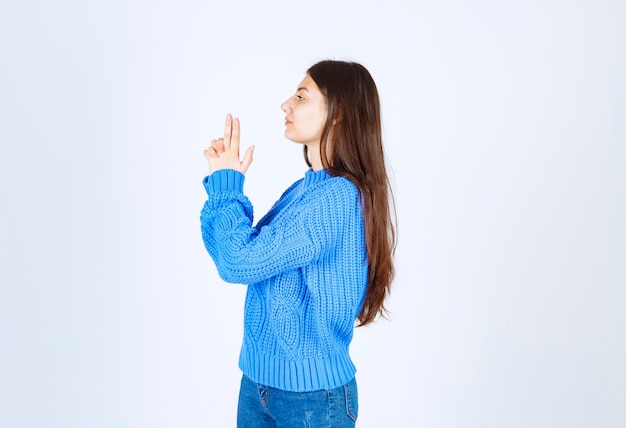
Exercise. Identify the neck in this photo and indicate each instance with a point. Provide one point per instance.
(314, 157)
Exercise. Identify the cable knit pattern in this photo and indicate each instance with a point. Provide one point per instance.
(305, 264)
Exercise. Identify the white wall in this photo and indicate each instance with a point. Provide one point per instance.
(505, 125)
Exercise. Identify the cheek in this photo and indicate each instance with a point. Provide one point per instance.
(320, 125)
(315, 124)
(321, 120)
(310, 121)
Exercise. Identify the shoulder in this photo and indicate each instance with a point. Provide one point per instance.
(339, 186)
(331, 209)
(333, 195)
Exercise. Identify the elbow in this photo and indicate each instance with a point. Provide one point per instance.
(230, 273)
(227, 276)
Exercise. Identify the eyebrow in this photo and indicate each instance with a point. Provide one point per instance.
(302, 88)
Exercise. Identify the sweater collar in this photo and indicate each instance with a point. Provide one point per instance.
(312, 177)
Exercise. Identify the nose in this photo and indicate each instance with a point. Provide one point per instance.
(285, 106)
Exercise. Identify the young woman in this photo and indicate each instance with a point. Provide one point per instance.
(319, 260)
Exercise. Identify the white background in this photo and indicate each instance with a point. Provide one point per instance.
(505, 128)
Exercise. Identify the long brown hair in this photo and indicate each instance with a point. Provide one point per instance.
(351, 147)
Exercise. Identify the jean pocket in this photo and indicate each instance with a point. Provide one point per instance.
(352, 399)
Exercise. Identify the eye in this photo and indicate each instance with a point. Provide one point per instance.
(299, 97)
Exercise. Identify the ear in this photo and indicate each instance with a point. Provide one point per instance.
(338, 116)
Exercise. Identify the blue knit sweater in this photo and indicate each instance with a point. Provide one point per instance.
(305, 264)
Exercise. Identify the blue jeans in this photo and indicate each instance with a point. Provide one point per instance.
(262, 406)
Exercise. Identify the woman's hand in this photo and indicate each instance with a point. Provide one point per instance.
(224, 152)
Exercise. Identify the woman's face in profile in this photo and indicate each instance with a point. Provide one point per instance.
(305, 113)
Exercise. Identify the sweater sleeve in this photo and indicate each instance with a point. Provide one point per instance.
(245, 254)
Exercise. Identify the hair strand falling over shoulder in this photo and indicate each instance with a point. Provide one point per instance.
(351, 147)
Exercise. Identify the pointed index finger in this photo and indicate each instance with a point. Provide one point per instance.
(235, 134)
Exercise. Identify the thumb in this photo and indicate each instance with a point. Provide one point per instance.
(247, 159)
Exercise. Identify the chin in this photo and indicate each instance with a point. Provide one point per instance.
(290, 137)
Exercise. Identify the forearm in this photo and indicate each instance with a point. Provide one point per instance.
(242, 253)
